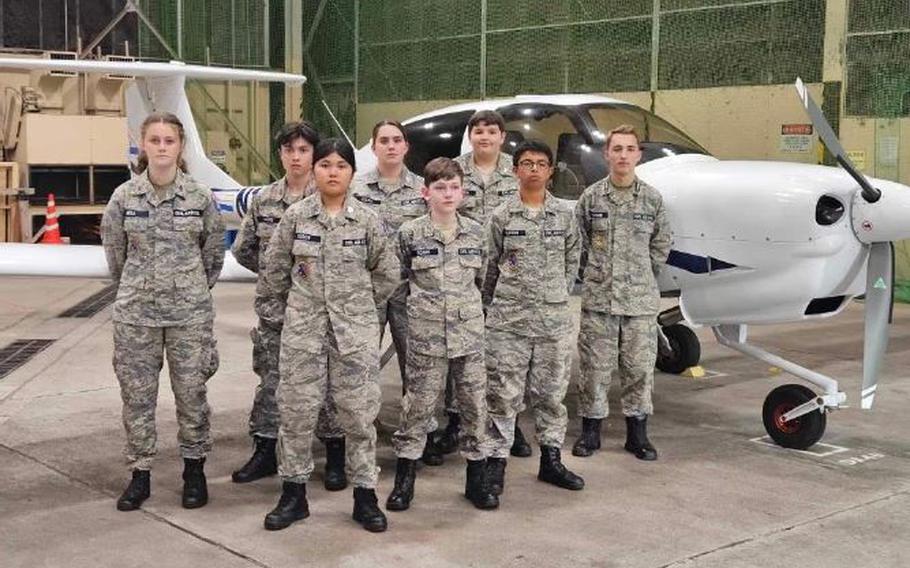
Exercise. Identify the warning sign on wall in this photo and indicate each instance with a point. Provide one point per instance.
(796, 138)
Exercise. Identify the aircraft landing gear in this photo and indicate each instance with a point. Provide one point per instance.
(681, 351)
(800, 432)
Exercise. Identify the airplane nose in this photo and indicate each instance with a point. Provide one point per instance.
(888, 219)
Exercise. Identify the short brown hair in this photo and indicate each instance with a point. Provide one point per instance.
(623, 129)
(488, 117)
(441, 168)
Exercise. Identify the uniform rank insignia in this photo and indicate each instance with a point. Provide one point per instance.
(599, 214)
(415, 201)
(267, 219)
(307, 237)
(554, 232)
(187, 212)
(132, 213)
(514, 232)
(642, 217)
(367, 199)
(354, 242)
(599, 240)
(470, 252)
(425, 252)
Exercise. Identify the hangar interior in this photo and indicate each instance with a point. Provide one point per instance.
(720, 70)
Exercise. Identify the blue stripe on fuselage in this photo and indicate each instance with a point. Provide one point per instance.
(697, 264)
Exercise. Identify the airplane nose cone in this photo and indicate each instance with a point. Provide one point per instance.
(888, 219)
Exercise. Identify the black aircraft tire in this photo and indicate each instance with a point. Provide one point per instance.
(800, 433)
(686, 349)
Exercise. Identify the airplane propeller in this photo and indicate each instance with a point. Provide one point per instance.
(879, 267)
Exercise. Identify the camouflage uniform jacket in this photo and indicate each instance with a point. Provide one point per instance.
(329, 273)
(531, 267)
(481, 199)
(394, 204)
(164, 252)
(266, 209)
(627, 237)
(445, 313)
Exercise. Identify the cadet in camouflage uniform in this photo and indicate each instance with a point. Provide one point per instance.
(163, 239)
(533, 245)
(489, 180)
(393, 192)
(328, 266)
(442, 256)
(295, 141)
(625, 231)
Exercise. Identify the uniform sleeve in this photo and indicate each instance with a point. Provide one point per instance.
(279, 261)
(491, 258)
(404, 253)
(246, 245)
(113, 237)
(212, 242)
(660, 238)
(573, 252)
(382, 262)
(583, 226)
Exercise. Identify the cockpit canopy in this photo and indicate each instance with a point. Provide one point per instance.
(576, 133)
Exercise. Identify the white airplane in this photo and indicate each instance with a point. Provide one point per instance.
(753, 242)
(155, 87)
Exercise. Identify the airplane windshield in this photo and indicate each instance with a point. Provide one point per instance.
(660, 138)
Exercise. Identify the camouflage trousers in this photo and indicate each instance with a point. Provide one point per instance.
(536, 366)
(351, 382)
(264, 417)
(395, 312)
(608, 343)
(426, 380)
(139, 353)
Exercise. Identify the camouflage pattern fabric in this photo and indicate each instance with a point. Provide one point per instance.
(138, 358)
(427, 375)
(607, 342)
(481, 198)
(540, 364)
(164, 250)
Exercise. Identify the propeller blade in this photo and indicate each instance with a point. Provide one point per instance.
(879, 296)
(829, 139)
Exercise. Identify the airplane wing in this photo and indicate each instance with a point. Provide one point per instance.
(82, 261)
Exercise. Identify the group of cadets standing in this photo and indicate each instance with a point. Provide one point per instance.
(471, 266)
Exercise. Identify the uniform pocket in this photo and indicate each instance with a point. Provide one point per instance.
(306, 248)
(189, 224)
(470, 311)
(426, 262)
(470, 260)
(136, 224)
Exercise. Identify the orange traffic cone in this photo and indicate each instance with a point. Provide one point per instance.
(51, 226)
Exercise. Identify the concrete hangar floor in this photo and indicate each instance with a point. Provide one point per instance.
(720, 495)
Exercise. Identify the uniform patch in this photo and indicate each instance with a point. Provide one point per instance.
(133, 213)
(504, 192)
(307, 237)
(267, 219)
(512, 259)
(599, 214)
(554, 232)
(514, 232)
(187, 212)
(599, 241)
(415, 201)
(367, 199)
(642, 217)
(303, 270)
(470, 251)
(471, 192)
(425, 252)
(354, 242)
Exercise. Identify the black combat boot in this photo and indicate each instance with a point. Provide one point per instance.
(447, 441)
(261, 464)
(520, 447)
(637, 438)
(366, 510)
(136, 492)
(403, 493)
(292, 506)
(553, 471)
(589, 441)
(476, 488)
(496, 475)
(195, 491)
(335, 478)
(431, 454)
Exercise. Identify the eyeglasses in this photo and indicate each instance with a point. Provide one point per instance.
(529, 165)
